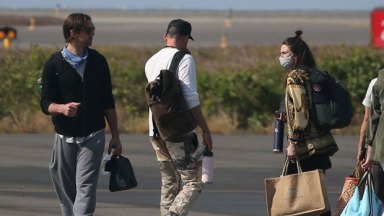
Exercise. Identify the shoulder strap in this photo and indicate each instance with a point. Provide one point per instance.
(176, 60)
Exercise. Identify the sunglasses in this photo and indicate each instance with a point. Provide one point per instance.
(89, 29)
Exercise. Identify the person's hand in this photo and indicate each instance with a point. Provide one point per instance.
(368, 162)
(291, 151)
(115, 144)
(367, 165)
(70, 109)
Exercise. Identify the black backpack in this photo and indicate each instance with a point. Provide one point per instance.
(331, 101)
(171, 117)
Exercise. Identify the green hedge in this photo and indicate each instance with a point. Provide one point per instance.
(245, 83)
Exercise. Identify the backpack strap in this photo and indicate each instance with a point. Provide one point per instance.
(176, 61)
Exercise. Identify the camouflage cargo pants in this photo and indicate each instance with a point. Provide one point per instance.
(180, 175)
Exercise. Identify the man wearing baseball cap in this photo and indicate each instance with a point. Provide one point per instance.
(181, 180)
(180, 27)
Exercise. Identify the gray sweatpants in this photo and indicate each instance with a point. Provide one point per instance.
(74, 170)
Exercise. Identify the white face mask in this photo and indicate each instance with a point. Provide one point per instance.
(286, 62)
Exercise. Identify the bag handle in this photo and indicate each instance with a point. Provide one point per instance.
(370, 191)
(356, 172)
(286, 164)
(364, 179)
(117, 156)
(367, 178)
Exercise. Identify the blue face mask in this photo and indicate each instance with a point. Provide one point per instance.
(286, 62)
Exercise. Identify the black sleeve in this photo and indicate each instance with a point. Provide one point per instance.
(109, 101)
(50, 85)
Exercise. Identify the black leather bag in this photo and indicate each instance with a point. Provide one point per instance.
(122, 176)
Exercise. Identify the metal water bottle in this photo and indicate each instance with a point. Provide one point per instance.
(278, 138)
(207, 167)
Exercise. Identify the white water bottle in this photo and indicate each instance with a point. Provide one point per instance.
(207, 167)
(107, 157)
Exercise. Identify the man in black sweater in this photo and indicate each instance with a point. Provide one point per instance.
(77, 93)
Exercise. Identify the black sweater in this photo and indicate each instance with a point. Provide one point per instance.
(62, 84)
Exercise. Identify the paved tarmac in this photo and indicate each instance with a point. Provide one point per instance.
(241, 162)
(146, 28)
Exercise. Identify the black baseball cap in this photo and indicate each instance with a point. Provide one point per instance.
(180, 27)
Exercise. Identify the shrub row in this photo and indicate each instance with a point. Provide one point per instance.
(242, 83)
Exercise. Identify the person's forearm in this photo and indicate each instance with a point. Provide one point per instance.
(111, 117)
(68, 109)
(55, 109)
(199, 118)
(363, 128)
(115, 142)
(362, 134)
(300, 113)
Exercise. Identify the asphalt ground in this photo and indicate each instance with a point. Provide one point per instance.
(241, 162)
(146, 28)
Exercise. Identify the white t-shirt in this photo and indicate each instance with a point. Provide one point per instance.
(186, 72)
(368, 96)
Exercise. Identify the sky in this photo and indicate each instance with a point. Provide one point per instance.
(344, 5)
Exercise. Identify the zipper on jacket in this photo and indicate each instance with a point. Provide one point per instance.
(84, 103)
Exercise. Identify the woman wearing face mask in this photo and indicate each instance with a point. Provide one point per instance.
(296, 57)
